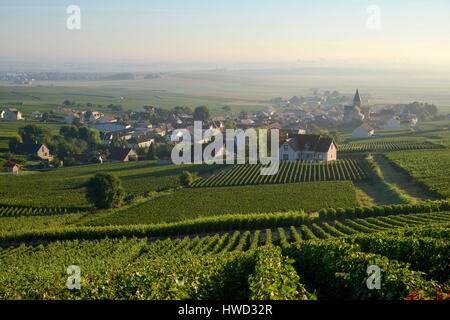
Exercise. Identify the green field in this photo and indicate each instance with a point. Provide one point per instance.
(308, 232)
(386, 145)
(46, 97)
(199, 202)
(64, 187)
(242, 265)
(431, 168)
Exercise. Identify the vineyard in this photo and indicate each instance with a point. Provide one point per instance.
(389, 145)
(10, 211)
(65, 186)
(288, 172)
(326, 261)
(430, 168)
(60, 227)
(190, 203)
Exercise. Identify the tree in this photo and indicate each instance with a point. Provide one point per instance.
(187, 178)
(164, 151)
(230, 124)
(14, 143)
(151, 154)
(117, 142)
(202, 113)
(91, 136)
(69, 132)
(105, 191)
(335, 135)
(45, 117)
(34, 134)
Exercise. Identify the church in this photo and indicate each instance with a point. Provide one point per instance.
(353, 113)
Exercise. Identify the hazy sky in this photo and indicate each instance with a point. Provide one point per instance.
(413, 32)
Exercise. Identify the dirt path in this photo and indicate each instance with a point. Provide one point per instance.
(400, 179)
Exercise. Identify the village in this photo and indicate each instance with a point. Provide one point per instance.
(309, 128)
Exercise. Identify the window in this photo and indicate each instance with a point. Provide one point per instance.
(285, 157)
(286, 147)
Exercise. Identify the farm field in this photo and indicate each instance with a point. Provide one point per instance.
(385, 145)
(192, 203)
(430, 168)
(289, 172)
(64, 187)
(236, 265)
(48, 96)
(17, 224)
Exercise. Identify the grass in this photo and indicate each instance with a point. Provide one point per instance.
(192, 203)
(64, 187)
(429, 168)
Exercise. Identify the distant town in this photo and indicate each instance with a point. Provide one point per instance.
(148, 131)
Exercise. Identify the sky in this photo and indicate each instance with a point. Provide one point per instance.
(221, 33)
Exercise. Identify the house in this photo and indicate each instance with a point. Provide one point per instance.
(363, 131)
(71, 116)
(157, 130)
(393, 123)
(12, 114)
(413, 120)
(106, 138)
(106, 119)
(11, 167)
(308, 147)
(108, 127)
(35, 150)
(122, 155)
(92, 116)
(36, 115)
(140, 142)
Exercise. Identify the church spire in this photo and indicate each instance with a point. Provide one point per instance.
(357, 99)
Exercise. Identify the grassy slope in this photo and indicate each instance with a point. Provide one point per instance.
(64, 187)
(192, 203)
(430, 167)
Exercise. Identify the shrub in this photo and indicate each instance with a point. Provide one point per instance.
(323, 214)
(332, 213)
(105, 191)
(359, 212)
(340, 213)
(275, 277)
(187, 178)
(350, 213)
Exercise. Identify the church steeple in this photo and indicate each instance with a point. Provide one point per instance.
(357, 99)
